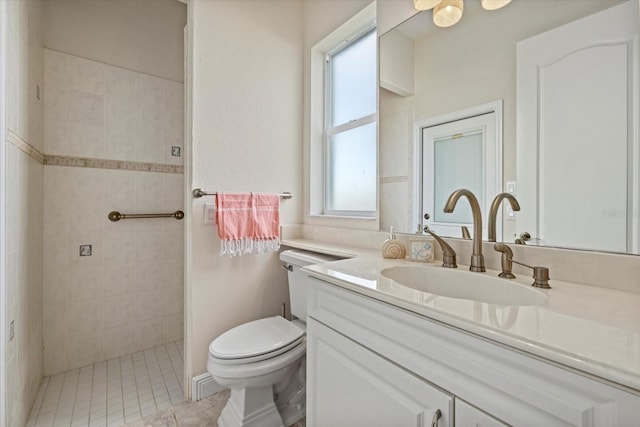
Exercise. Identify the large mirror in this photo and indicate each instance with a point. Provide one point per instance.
(574, 169)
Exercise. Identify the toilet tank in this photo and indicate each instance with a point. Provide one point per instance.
(293, 260)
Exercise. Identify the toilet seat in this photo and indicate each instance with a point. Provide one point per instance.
(256, 341)
(241, 371)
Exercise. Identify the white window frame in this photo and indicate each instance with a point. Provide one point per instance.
(352, 124)
(314, 129)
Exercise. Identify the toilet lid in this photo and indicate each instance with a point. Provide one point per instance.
(256, 340)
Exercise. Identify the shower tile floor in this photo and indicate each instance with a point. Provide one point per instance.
(112, 392)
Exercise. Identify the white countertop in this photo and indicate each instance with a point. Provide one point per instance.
(591, 329)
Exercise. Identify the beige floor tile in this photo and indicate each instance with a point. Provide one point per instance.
(191, 414)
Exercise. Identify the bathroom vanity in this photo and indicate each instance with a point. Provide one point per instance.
(380, 353)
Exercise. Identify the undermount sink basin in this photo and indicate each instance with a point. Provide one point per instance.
(461, 284)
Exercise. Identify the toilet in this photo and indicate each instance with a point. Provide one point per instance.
(263, 362)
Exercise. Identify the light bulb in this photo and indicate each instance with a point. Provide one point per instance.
(494, 4)
(425, 4)
(448, 13)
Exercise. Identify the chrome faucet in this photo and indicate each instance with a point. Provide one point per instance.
(493, 212)
(477, 259)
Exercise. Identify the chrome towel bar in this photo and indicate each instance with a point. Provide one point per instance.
(198, 192)
(117, 216)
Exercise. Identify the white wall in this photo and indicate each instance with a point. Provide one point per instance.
(140, 35)
(24, 209)
(391, 13)
(322, 17)
(247, 114)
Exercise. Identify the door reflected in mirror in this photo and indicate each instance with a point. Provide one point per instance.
(459, 150)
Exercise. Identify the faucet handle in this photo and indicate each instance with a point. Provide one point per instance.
(448, 254)
(507, 259)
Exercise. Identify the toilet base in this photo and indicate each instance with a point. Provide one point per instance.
(291, 396)
(263, 393)
(251, 407)
(292, 415)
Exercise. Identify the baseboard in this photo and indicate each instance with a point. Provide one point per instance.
(203, 385)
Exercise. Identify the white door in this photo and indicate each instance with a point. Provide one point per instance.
(464, 153)
(577, 126)
(349, 385)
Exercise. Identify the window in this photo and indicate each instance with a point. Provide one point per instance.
(350, 127)
(340, 158)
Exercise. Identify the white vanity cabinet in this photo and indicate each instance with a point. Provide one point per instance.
(373, 364)
(353, 386)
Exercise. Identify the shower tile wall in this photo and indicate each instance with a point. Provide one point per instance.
(24, 282)
(22, 299)
(128, 294)
(102, 111)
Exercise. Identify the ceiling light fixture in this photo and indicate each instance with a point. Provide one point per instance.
(448, 12)
(494, 4)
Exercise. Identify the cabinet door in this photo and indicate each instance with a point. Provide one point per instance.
(349, 385)
(469, 416)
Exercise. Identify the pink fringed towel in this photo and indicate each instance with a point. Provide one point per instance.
(248, 222)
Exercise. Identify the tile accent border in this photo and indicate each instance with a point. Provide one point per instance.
(25, 147)
(82, 162)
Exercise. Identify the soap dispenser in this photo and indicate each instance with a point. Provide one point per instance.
(392, 248)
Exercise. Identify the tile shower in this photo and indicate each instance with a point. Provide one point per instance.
(109, 136)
